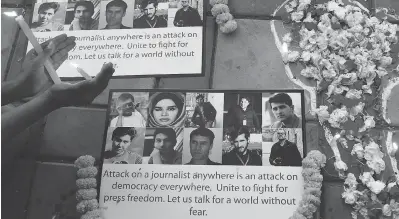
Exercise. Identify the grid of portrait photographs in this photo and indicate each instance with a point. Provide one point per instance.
(73, 15)
(205, 127)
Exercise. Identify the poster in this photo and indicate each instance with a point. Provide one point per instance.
(141, 37)
(208, 153)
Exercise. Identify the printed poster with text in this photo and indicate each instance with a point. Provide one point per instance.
(141, 37)
(202, 154)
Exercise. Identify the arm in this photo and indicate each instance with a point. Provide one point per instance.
(296, 159)
(194, 114)
(177, 18)
(197, 18)
(256, 121)
(273, 155)
(59, 95)
(17, 120)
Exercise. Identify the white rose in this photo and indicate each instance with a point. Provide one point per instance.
(340, 165)
(358, 150)
(378, 165)
(366, 178)
(376, 186)
(349, 197)
(386, 210)
(385, 61)
(297, 16)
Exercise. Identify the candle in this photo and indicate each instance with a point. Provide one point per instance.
(38, 48)
(81, 71)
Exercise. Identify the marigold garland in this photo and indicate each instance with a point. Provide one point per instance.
(86, 195)
(224, 19)
(311, 167)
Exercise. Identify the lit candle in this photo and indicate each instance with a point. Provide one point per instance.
(81, 71)
(38, 48)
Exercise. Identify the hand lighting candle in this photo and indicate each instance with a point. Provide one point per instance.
(32, 39)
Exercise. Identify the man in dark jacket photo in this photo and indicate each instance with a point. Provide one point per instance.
(284, 152)
(187, 16)
(149, 19)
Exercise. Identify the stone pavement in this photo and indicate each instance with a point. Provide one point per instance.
(40, 181)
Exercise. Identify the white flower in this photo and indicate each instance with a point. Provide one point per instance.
(349, 196)
(353, 94)
(372, 151)
(358, 150)
(386, 210)
(376, 186)
(297, 16)
(338, 10)
(354, 111)
(329, 74)
(303, 4)
(368, 123)
(340, 166)
(306, 56)
(287, 38)
(311, 72)
(309, 18)
(288, 8)
(377, 164)
(291, 56)
(366, 178)
(338, 116)
(322, 113)
(385, 61)
(351, 181)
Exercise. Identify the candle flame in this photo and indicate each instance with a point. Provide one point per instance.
(10, 13)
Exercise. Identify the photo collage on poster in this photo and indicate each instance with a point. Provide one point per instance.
(73, 15)
(248, 128)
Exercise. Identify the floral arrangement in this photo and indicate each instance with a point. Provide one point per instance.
(86, 183)
(224, 19)
(313, 180)
(347, 51)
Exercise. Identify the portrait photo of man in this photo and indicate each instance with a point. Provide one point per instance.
(284, 152)
(149, 17)
(204, 110)
(83, 16)
(128, 112)
(122, 138)
(187, 16)
(240, 154)
(115, 15)
(243, 109)
(50, 17)
(202, 144)
(281, 112)
(162, 147)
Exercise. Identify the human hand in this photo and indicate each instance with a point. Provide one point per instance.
(34, 78)
(83, 92)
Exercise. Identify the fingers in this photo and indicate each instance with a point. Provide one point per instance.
(66, 43)
(56, 40)
(58, 63)
(41, 58)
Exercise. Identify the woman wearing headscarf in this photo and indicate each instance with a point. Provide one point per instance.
(168, 109)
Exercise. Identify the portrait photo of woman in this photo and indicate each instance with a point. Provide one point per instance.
(166, 109)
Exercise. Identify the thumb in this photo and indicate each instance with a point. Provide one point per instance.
(43, 56)
(105, 75)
